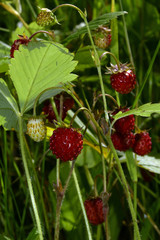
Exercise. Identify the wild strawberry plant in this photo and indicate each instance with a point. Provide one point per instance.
(91, 135)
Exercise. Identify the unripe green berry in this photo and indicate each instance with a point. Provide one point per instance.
(46, 17)
(36, 129)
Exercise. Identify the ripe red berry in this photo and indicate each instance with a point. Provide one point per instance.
(143, 143)
(67, 104)
(117, 140)
(126, 124)
(15, 46)
(129, 140)
(123, 142)
(66, 143)
(94, 210)
(123, 82)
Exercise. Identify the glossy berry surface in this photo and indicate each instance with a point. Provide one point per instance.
(66, 143)
(123, 142)
(143, 143)
(126, 124)
(123, 82)
(36, 129)
(67, 104)
(17, 43)
(94, 210)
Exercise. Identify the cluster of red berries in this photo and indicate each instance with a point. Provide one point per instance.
(67, 104)
(123, 138)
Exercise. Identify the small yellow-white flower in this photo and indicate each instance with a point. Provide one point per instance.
(36, 129)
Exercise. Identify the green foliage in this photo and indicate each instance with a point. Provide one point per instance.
(144, 111)
(102, 20)
(49, 65)
(8, 108)
(37, 67)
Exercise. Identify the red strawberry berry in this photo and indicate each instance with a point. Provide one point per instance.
(129, 140)
(126, 124)
(117, 140)
(67, 104)
(94, 210)
(123, 82)
(123, 142)
(143, 143)
(123, 79)
(15, 46)
(66, 143)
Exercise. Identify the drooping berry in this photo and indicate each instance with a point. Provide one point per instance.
(67, 104)
(66, 143)
(102, 38)
(46, 17)
(123, 82)
(123, 79)
(126, 124)
(123, 142)
(143, 143)
(36, 129)
(15, 46)
(94, 210)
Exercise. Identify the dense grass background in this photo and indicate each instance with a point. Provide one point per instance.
(16, 215)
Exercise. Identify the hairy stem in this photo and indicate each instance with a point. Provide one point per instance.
(28, 177)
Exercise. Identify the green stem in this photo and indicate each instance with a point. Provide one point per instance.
(28, 177)
(60, 197)
(6, 181)
(135, 202)
(103, 162)
(38, 187)
(82, 205)
(55, 110)
(57, 171)
(126, 36)
(147, 74)
(41, 93)
(96, 57)
(125, 185)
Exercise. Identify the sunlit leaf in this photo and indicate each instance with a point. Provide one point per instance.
(39, 66)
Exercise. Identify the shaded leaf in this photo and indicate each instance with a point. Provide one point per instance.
(8, 108)
(4, 237)
(33, 235)
(131, 164)
(102, 20)
(4, 56)
(38, 66)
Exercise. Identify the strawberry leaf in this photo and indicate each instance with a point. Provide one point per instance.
(39, 66)
(8, 108)
(102, 20)
(144, 111)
